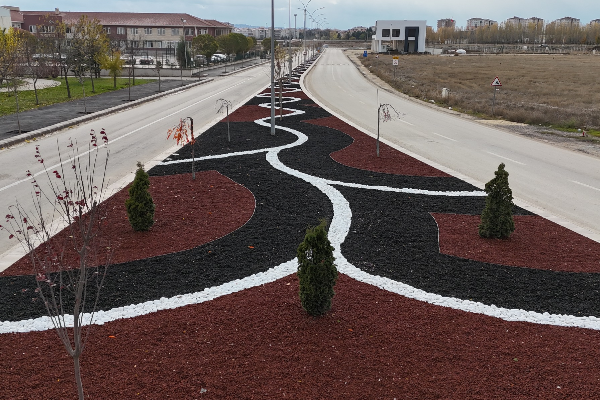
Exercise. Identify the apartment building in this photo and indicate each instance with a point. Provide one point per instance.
(446, 23)
(262, 32)
(567, 21)
(474, 23)
(146, 31)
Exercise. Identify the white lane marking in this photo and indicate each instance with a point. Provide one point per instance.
(408, 123)
(28, 179)
(505, 158)
(587, 186)
(445, 137)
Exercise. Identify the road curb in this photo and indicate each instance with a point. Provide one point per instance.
(65, 124)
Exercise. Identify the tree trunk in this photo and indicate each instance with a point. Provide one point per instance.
(17, 100)
(92, 78)
(78, 377)
(115, 81)
(280, 99)
(66, 70)
(83, 88)
(37, 100)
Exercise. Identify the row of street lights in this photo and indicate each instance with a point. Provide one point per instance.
(304, 8)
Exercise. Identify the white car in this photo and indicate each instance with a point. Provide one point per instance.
(218, 57)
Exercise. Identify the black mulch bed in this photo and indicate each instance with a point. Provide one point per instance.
(391, 235)
(285, 207)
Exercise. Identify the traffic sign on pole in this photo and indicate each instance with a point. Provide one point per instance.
(496, 82)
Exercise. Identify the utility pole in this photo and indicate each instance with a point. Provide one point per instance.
(295, 31)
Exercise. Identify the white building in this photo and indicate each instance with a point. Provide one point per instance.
(410, 32)
(259, 33)
(5, 20)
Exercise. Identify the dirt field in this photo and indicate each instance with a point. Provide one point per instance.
(562, 91)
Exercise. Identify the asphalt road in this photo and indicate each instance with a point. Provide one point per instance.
(559, 184)
(135, 134)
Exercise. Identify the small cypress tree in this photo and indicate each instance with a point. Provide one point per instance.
(316, 271)
(140, 207)
(496, 219)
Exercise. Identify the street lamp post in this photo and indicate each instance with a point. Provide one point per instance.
(295, 31)
(272, 67)
(184, 46)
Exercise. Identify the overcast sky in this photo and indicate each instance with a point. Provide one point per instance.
(340, 14)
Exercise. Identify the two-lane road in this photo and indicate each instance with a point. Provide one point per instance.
(560, 182)
(136, 134)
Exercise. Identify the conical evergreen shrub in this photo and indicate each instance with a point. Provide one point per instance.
(496, 219)
(316, 271)
(140, 207)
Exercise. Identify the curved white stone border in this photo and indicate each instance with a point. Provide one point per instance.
(338, 230)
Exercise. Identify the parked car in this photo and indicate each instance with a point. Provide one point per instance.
(218, 57)
(128, 58)
(146, 60)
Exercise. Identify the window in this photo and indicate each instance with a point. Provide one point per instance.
(120, 30)
(148, 44)
(106, 30)
(174, 31)
(395, 32)
(161, 31)
(204, 31)
(148, 31)
(32, 28)
(412, 32)
(189, 31)
(158, 44)
(135, 43)
(385, 33)
(134, 31)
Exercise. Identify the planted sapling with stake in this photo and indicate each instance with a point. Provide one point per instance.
(180, 134)
(225, 104)
(69, 268)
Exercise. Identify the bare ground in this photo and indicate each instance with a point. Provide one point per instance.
(378, 73)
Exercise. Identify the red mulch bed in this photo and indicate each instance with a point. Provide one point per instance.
(252, 113)
(535, 243)
(361, 153)
(260, 344)
(188, 213)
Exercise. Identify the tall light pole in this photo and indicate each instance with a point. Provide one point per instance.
(295, 32)
(304, 31)
(273, 67)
